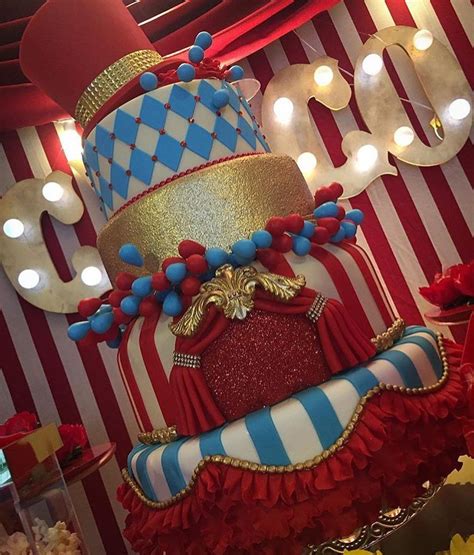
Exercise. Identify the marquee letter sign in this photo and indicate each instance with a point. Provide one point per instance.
(290, 129)
(23, 253)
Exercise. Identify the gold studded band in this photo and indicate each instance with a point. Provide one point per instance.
(311, 463)
(316, 309)
(385, 340)
(161, 435)
(186, 360)
(114, 77)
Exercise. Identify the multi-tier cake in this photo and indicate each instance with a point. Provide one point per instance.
(281, 400)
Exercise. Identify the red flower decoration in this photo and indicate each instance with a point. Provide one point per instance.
(74, 440)
(453, 287)
(21, 422)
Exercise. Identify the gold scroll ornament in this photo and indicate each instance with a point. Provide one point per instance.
(25, 202)
(440, 76)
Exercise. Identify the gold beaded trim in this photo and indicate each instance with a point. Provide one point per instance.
(385, 340)
(263, 468)
(162, 435)
(114, 77)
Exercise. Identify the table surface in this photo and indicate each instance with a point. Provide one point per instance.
(90, 461)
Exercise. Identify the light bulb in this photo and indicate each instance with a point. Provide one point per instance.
(323, 75)
(372, 64)
(28, 278)
(366, 156)
(459, 108)
(307, 162)
(71, 141)
(283, 109)
(91, 276)
(52, 191)
(423, 39)
(404, 136)
(13, 228)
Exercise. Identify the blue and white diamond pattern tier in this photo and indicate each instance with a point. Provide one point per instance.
(165, 132)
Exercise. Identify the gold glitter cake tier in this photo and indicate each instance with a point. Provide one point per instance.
(215, 206)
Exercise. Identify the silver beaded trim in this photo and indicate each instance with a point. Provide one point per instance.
(188, 361)
(317, 308)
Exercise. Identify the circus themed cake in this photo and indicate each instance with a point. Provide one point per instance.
(281, 400)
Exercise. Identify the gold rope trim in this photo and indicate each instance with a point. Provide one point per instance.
(114, 77)
(161, 435)
(255, 467)
(386, 339)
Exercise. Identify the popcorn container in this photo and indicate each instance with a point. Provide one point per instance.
(37, 516)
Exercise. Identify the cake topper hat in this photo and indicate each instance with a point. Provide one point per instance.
(87, 55)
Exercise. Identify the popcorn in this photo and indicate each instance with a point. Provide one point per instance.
(57, 540)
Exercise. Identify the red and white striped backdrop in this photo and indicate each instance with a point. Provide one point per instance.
(416, 223)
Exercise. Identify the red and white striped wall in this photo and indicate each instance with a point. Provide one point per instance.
(416, 223)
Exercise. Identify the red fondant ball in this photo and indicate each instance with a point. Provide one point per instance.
(322, 195)
(331, 224)
(188, 247)
(282, 243)
(148, 306)
(321, 235)
(196, 264)
(124, 280)
(160, 282)
(294, 223)
(341, 213)
(268, 257)
(190, 286)
(120, 317)
(276, 225)
(336, 190)
(88, 307)
(115, 298)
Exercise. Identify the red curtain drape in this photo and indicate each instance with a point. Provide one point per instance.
(239, 28)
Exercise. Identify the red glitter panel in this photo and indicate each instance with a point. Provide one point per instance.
(262, 360)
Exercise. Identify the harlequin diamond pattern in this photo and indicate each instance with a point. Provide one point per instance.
(159, 149)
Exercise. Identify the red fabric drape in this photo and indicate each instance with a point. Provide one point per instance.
(239, 28)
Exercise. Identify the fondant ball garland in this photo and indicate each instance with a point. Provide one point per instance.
(181, 276)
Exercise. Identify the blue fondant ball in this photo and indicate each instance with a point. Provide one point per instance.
(172, 305)
(130, 255)
(160, 296)
(195, 54)
(220, 98)
(102, 322)
(216, 257)
(234, 260)
(207, 276)
(245, 249)
(186, 72)
(130, 305)
(79, 330)
(236, 73)
(349, 228)
(242, 260)
(308, 230)
(301, 245)
(262, 239)
(115, 343)
(356, 215)
(339, 236)
(148, 81)
(203, 39)
(176, 272)
(104, 308)
(326, 210)
(142, 286)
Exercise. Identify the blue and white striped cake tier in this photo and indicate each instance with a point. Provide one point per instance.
(165, 132)
(295, 430)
